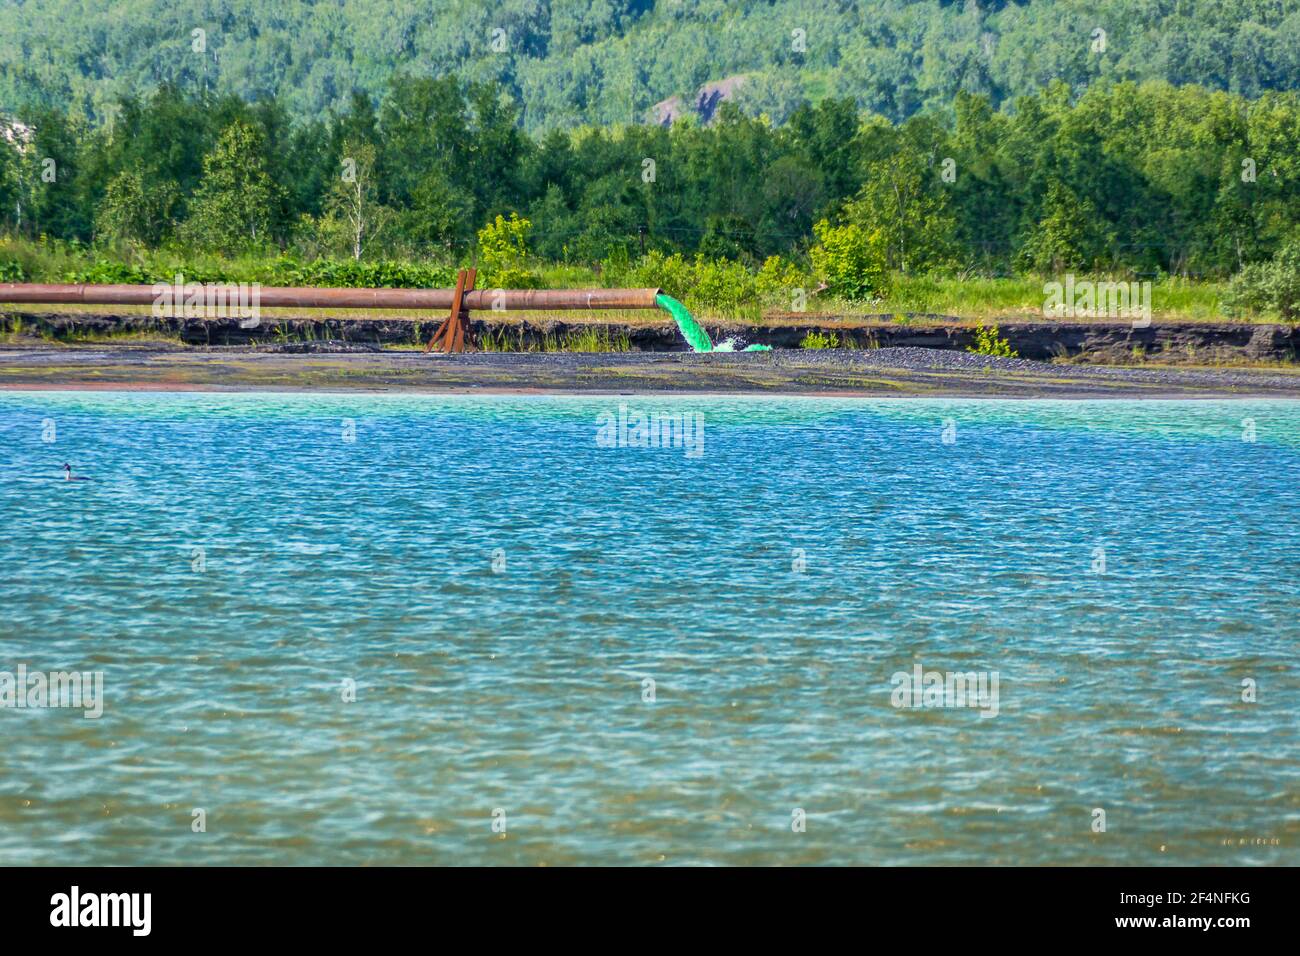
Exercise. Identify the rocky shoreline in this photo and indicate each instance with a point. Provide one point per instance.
(1100, 342)
(875, 372)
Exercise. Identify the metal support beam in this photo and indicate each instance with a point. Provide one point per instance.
(451, 334)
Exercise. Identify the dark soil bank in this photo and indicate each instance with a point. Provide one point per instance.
(1101, 342)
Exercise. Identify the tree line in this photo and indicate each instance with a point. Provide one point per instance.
(1146, 177)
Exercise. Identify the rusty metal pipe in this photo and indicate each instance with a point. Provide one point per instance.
(316, 298)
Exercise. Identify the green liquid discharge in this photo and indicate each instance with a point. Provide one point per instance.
(692, 331)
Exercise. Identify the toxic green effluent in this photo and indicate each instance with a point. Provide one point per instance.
(692, 331)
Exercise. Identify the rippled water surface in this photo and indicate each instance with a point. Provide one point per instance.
(770, 587)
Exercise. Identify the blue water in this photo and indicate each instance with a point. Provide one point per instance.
(769, 586)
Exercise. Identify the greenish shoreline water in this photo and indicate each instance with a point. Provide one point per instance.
(497, 583)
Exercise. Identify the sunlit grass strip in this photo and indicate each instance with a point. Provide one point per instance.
(1024, 297)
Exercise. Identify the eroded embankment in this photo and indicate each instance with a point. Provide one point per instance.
(1102, 342)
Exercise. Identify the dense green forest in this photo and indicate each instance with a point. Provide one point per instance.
(564, 63)
(1144, 177)
(1028, 153)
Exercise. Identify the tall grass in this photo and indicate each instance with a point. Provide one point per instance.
(595, 339)
(591, 339)
(713, 290)
(1023, 297)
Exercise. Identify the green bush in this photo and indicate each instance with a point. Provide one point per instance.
(504, 242)
(852, 262)
(720, 285)
(111, 272)
(820, 340)
(328, 273)
(506, 278)
(723, 285)
(673, 275)
(361, 274)
(1272, 286)
(989, 342)
(779, 280)
(503, 254)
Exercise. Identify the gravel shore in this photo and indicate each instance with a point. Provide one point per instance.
(886, 371)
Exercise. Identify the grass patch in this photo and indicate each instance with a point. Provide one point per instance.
(820, 340)
(139, 336)
(973, 297)
(595, 340)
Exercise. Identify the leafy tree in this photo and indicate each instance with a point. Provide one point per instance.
(235, 203)
(463, 130)
(569, 62)
(438, 216)
(352, 208)
(1272, 286)
(775, 95)
(47, 179)
(162, 138)
(560, 226)
(132, 211)
(850, 261)
(826, 135)
(504, 242)
(10, 182)
(1070, 234)
(503, 252)
(728, 237)
(903, 202)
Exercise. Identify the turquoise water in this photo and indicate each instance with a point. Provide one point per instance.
(770, 583)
